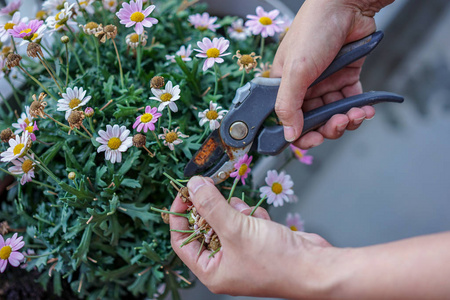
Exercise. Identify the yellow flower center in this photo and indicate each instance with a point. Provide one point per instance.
(83, 3)
(91, 25)
(74, 103)
(41, 14)
(171, 137)
(265, 21)
(134, 38)
(34, 36)
(212, 115)
(18, 148)
(265, 74)
(202, 28)
(27, 121)
(5, 252)
(213, 52)
(27, 165)
(299, 153)
(58, 25)
(239, 30)
(28, 30)
(137, 16)
(146, 118)
(111, 3)
(277, 188)
(29, 128)
(9, 25)
(166, 97)
(61, 6)
(243, 169)
(247, 59)
(293, 228)
(57, 16)
(6, 50)
(114, 143)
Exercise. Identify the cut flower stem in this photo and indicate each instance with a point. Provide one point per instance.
(258, 205)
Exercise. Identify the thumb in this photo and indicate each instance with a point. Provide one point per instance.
(210, 204)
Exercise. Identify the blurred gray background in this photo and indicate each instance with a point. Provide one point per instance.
(390, 179)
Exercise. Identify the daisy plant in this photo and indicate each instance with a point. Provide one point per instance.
(114, 99)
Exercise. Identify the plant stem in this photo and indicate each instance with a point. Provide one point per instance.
(262, 47)
(258, 205)
(63, 125)
(169, 212)
(120, 64)
(170, 117)
(97, 52)
(78, 41)
(50, 73)
(42, 255)
(157, 140)
(78, 59)
(242, 78)
(173, 179)
(203, 134)
(6, 103)
(38, 82)
(16, 97)
(236, 180)
(138, 57)
(216, 86)
(213, 253)
(67, 65)
(14, 44)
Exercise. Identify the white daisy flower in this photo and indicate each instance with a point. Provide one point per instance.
(295, 222)
(91, 28)
(184, 53)
(85, 5)
(72, 99)
(279, 188)
(17, 147)
(25, 167)
(53, 4)
(4, 34)
(114, 140)
(59, 21)
(25, 119)
(167, 96)
(172, 137)
(110, 5)
(132, 39)
(212, 115)
(238, 31)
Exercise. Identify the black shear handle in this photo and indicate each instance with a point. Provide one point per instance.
(271, 139)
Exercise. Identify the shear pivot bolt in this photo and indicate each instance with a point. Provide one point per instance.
(222, 175)
(238, 130)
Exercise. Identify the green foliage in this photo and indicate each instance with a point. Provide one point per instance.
(97, 231)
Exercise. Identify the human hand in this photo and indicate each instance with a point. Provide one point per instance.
(258, 257)
(317, 33)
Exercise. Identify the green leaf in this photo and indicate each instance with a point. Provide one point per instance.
(124, 111)
(82, 195)
(70, 158)
(147, 250)
(50, 154)
(139, 212)
(107, 88)
(131, 159)
(131, 183)
(82, 250)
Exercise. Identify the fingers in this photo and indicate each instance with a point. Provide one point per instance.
(211, 205)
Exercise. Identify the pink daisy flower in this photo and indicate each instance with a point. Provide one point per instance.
(184, 53)
(212, 51)
(11, 8)
(25, 167)
(31, 128)
(203, 22)
(295, 222)
(279, 188)
(26, 31)
(9, 253)
(133, 15)
(147, 120)
(264, 23)
(301, 155)
(242, 168)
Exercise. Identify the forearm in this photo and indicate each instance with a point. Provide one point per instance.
(415, 268)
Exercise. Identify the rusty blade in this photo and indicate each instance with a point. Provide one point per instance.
(211, 151)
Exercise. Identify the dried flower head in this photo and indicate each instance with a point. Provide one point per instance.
(172, 138)
(92, 28)
(75, 119)
(13, 60)
(108, 32)
(165, 216)
(139, 140)
(246, 61)
(157, 82)
(33, 49)
(133, 40)
(37, 106)
(4, 228)
(6, 135)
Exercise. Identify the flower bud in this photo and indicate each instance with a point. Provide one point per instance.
(89, 112)
(65, 39)
(72, 175)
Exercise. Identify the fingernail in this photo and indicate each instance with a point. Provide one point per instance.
(341, 127)
(195, 183)
(358, 121)
(289, 133)
(370, 118)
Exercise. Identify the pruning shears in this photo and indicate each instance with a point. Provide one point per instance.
(242, 129)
